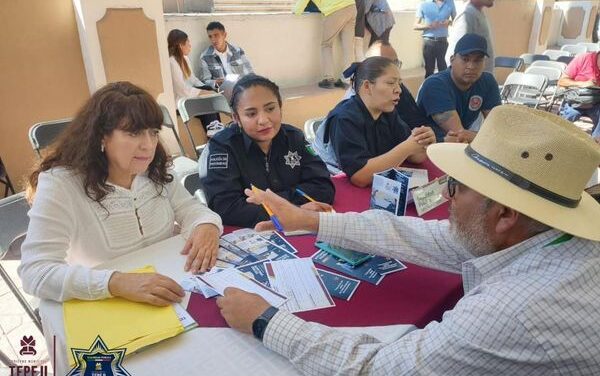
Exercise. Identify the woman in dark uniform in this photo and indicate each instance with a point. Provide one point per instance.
(365, 132)
(258, 150)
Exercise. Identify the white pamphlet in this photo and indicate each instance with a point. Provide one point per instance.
(234, 278)
(299, 280)
(430, 196)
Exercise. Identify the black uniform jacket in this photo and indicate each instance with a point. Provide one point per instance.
(234, 161)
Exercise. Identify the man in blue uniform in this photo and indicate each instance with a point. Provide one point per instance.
(456, 97)
(234, 162)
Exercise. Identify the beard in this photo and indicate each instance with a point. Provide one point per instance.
(470, 232)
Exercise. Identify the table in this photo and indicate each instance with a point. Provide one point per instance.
(415, 296)
(421, 295)
(200, 351)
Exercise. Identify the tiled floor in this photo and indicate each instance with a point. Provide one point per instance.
(14, 324)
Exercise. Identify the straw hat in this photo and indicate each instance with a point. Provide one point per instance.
(533, 162)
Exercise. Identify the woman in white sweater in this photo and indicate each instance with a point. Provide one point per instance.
(104, 191)
(185, 82)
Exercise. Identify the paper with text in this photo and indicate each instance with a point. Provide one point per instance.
(299, 280)
(233, 278)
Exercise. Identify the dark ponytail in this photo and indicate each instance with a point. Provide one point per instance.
(369, 70)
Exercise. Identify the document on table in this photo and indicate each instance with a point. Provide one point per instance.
(184, 317)
(250, 242)
(299, 280)
(112, 318)
(278, 240)
(339, 286)
(194, 284)
(430, 195)
(233, 278)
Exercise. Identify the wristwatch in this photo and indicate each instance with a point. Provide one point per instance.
(260, 324)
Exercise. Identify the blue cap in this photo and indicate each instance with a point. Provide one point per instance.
(470, 43)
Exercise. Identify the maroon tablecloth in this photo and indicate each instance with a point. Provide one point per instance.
(415, 295)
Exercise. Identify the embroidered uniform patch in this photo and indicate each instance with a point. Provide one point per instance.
(292, 159)
(475, 102)
(218, 161)
(310, 150)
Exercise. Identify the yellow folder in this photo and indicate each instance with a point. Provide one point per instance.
(120, 323)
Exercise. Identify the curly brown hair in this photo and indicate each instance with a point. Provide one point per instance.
(117, 105)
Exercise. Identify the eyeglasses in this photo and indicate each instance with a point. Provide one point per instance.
(452, 184)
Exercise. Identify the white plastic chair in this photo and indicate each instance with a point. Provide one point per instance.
(555, 54)
(42, 135)
(524, 88)
(530, 58)
(192, 182)
(182, 165)
(574, 49)
(551, 64)
(591, 47)
(552, 91)
(310, 128)
(13, 226)
(207, 104)
(552, 74)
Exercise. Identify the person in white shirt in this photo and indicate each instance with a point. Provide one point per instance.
(185, 82)
(103, 191)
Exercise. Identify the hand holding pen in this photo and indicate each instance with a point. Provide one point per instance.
(313, 204)
(287, 214)
(273, 217)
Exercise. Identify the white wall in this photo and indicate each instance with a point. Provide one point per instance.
(285, 47)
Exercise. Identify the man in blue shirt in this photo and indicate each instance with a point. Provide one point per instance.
(454, 98)
(433, 17)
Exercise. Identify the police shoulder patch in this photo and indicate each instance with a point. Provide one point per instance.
(218, 161)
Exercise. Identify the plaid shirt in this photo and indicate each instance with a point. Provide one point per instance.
(212, 67)
(531, 309)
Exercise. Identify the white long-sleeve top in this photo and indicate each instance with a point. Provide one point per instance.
(69, 233)
(183, 87)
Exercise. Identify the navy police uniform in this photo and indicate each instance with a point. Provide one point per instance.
(440, 94)
(350, 135)
(234, 161)
(409, 112)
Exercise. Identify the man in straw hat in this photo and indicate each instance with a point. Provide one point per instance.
(522, 232)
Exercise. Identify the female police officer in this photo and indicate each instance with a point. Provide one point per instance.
(365, 132)
(259, 150)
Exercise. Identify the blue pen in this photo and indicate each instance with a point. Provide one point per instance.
(273, 217)
(276, 222)
(301, 193)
